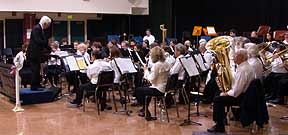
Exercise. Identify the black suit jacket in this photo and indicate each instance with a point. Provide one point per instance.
(38, 44)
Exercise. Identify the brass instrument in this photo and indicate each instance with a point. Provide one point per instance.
(164, 32)
(284, 59)
(220, 45)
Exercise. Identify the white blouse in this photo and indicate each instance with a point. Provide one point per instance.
(159, 75)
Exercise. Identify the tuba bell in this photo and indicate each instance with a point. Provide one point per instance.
(220, 46)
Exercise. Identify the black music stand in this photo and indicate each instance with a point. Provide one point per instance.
(126, 67)
(200, 68)
(191, 70)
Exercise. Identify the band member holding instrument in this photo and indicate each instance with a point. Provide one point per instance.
(158, 78)
(244, 75)
(38, 42)
(177, 68)
(93, 71)
(145, 47)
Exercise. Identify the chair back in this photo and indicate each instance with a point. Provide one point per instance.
(105, 78)
(7, 52)
(172, 82)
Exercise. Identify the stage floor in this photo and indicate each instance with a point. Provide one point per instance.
(57, 118)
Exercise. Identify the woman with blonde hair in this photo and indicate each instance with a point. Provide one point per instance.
(157, 77)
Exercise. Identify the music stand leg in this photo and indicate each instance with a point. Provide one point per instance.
(197, 113)
(188, 121)
(125, 111)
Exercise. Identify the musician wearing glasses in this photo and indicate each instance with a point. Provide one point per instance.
(243, 77)
(157, 77)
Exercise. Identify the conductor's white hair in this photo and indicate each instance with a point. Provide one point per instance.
(45, 19)
(243, 53)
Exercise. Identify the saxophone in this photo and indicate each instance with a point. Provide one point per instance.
(220, 46)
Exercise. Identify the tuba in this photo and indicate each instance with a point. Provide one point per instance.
(220, 46)
(164, 32)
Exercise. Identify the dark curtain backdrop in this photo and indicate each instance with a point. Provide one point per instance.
(244, 15)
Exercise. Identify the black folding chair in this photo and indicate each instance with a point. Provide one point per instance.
(171, 88)
(105, 79)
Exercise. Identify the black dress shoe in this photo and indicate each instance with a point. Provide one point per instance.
(216, 128)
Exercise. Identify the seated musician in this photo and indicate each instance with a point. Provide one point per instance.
(188, 45)
(157, 77)
(93, 71)
(126, 51)
(145, 47)
(115, 53)
(254, 60)
(243, 77)
(52, 70)
(82, 51)
(279, 72)
(169, 58)
(285, 41)
(177, 68)
(97, 46)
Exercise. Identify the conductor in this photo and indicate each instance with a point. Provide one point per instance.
(35, 53)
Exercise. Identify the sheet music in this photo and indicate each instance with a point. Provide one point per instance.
(125, 65)
(211, 30)
(190, 66)
(72, 63)
(81, 63)
(62, 53)
(200, 61)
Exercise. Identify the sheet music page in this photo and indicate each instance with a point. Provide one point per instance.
(190, 66)
(62, 53)
(81, 63)
(71, 61)
(211, 30)
(125, 65)
(200, 61)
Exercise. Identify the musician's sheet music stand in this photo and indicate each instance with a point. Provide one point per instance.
(263, 30)
(197, 32)
(126, 67)
(211, 31)
(279, 35)
(191, 70)
(73, 63)
(201, 68)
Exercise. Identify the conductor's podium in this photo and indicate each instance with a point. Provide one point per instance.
(27, 96)
(34, 97)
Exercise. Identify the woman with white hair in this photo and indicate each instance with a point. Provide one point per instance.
(37, 46)
(254, 59)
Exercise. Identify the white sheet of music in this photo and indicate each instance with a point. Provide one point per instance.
(189, 64)
(200, 61)
(72, 63)
(125, 65)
